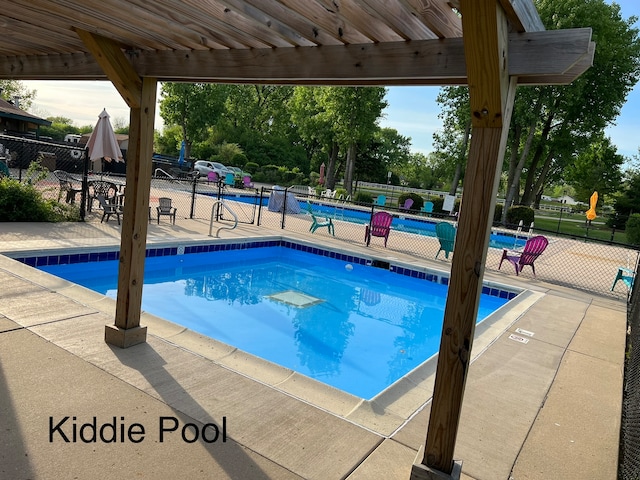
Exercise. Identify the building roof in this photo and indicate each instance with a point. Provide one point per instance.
(9, 110)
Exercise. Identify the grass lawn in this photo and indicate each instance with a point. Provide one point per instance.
(597, 230)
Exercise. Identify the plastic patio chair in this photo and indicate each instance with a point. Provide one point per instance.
(212, 177)
(66, 186)
(316, 223)
(380, 200)
(531, 251)
(380, 227)
(408, 203)
(626, 276)
(246, 182)
(446, 234)
(165, 208)
(109, 208)
(427, 208)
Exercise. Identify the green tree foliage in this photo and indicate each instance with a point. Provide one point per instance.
(356, 111)
(452, 142)
(15, 88)
(597, 168)
(520, 213)
(632, 229)
(628, 201)
(572, 116)
(61, 126)
(194, 107)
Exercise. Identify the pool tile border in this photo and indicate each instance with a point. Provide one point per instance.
(162, 251)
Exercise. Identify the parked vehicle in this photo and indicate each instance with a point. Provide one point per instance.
(238, 172)
(203, 167)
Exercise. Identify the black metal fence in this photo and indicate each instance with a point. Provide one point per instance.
(583, 263)
(629, 460)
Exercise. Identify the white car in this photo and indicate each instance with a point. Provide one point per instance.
(203, 167)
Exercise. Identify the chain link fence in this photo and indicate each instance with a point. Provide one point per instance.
(629, 460)
(582, 263)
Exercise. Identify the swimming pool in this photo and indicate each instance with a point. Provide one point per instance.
(331, 316)
(401, 222)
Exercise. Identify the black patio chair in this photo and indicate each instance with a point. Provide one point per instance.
(66, 186)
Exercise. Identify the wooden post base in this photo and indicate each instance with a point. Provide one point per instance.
(422, 472)
(124, 338)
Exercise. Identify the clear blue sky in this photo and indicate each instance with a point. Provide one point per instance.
(412, 111)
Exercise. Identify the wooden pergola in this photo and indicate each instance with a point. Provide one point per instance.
(490, 45)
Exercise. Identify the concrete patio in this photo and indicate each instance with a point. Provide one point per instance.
(547, 408)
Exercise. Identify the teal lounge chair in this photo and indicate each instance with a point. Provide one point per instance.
(316, 223)
(625, 275)
(427, 208)
(446, 234)
(380, 200)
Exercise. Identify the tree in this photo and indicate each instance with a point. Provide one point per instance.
(452, 142)
(597, 168)
(9, 89)
(192, 106)
(315, 128)
(568, 116)
(355, 112)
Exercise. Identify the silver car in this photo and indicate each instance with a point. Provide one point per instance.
(203, 167)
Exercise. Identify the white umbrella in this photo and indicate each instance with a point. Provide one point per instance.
(102, 142)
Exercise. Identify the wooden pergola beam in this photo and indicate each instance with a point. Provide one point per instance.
(491, 92)
(533, 57)
(115, 65)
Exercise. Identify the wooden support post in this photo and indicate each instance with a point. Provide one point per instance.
(491, 97)
(127, 330)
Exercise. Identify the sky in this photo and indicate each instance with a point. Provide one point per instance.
(412, 111)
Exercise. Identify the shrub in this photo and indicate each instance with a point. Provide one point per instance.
(22, 202)
(418, 202)
(517, 213)
(341, 192)
(632, 229)
(497, 213)
(363, 197)
(251, 167)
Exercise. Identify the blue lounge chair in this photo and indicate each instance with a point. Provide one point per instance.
(380, 200)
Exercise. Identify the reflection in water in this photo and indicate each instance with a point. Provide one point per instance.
(369, 328)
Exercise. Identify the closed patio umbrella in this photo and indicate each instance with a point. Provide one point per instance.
(102, 142)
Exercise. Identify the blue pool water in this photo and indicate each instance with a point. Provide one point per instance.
(355, 327)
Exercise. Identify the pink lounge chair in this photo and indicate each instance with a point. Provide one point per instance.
(212, 177)
(380, 227)
(531, 251)
(246, 182)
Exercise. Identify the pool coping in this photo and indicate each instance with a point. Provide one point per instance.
(383, 414)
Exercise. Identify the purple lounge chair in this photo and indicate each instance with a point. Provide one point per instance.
(531, 251)
(380, 227)
(408, 203)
